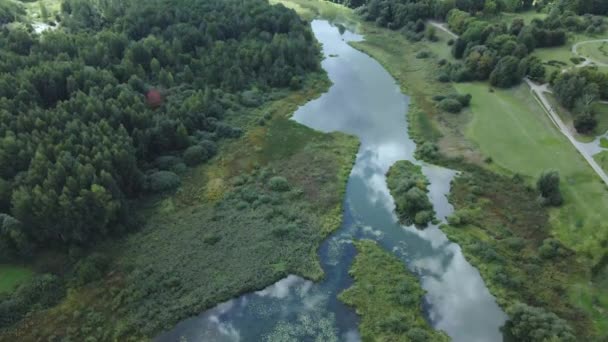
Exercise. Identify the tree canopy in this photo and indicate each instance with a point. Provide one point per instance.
(79, 130)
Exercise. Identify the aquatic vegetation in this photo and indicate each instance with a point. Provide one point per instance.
(387, 297)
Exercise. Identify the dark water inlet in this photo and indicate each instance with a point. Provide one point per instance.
(364, 101)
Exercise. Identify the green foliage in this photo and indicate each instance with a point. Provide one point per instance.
(163, 181)
(506, 74)
(195, 155)
(548, 186)
(77, 125)
(278, 183)
(10, 11)
(450, 105)
(552, 248)
(408, 187)
(507, 238)
(91, 268)
(387, 297)
(528, 323)
(40, 292)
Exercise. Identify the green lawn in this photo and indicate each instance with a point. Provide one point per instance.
(11, 276)
(601, 111)
(527, 16)
(602, 159)
(596, 51)
(512, 128)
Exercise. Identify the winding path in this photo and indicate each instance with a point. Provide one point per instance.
(588, 60)
(540, 90)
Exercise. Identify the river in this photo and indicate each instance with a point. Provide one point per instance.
(364, 101)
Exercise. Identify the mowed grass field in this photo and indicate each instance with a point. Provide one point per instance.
(11, 276)
(598, 51)
(510, 127)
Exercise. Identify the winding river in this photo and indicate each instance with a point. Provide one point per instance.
(364, 101)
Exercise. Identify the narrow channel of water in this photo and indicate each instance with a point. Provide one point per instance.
(364, 101)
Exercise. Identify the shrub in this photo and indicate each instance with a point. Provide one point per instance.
(423, 217)
(454, 220)
(585, 123)
(278, 183)
(427, 151)
(551, 248)
(422, 54)
(548, 186)
(528, 323)
(450, 105)
(443, 77)
(163, 181)
(91, 268)
(464, 100)
(166, 162)
(194, 155)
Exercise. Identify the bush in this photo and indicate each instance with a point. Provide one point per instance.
(548, 186)
(450, 105)
(427, 151)
(278, 183)
(163, 181)
(166, 162)
(551, 248)
(195, 155)
(464, 100)
(423, 217)
(454, 220)
(443, 77)
(585, 123)
(422, 54)
(91, 268)
(528, 323)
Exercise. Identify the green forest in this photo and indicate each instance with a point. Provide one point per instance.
(81, 135)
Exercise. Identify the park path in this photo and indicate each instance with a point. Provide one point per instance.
(540, 91)
(588, 60)
(443, 27)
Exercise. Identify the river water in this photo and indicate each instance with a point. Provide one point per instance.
(365, 101)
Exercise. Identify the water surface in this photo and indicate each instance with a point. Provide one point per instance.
(364, 101)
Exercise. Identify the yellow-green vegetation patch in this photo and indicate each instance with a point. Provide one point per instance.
(505, 233)
(387, 297)
(12, 276)
(409, 187)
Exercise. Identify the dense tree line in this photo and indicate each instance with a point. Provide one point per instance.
(496, 51)
(578, 90)
(599, 7)
(86, 111)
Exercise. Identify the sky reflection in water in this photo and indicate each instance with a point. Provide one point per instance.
(364, 101)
